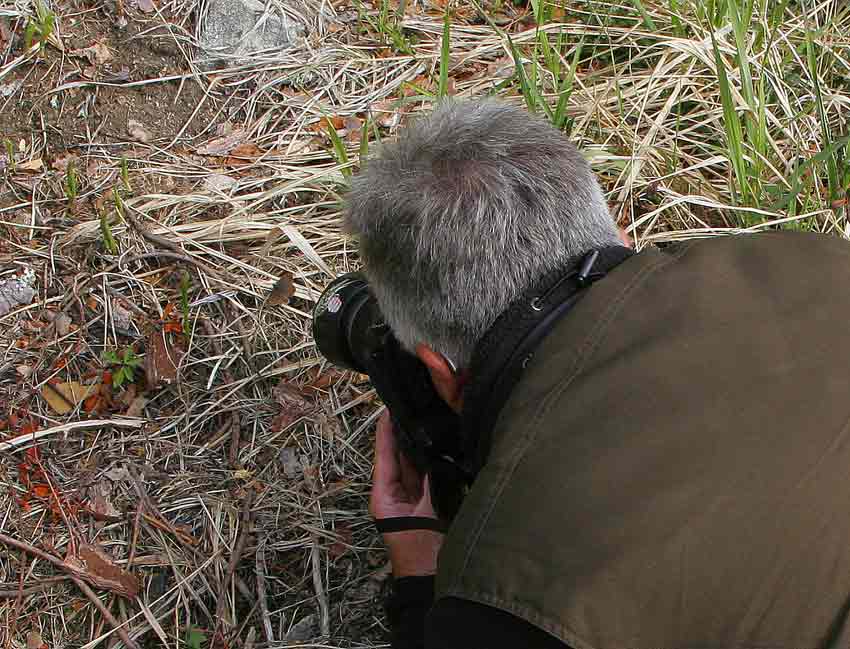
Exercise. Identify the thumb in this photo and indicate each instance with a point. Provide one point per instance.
(425, 506)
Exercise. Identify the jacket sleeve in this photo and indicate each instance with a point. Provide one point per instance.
(455, 623)
(407, 608)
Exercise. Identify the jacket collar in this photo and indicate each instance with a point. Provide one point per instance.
(508, 346)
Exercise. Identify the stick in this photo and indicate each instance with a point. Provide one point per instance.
(238, 548)
(20, 440)
(261, 593)
(83, 586)
(45, 584)
(316, 560)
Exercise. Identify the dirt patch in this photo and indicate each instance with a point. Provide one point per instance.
(112, 73)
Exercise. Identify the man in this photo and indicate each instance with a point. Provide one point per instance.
(663, 438)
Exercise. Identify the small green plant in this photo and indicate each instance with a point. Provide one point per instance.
(195, 638)
(340, 152)
(106, 233)
(124, 366)
(10, 153)
(388, 24)
(125, 173)
(40, 26)
(72, 183)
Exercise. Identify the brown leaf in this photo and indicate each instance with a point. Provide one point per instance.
(283, 290)
(34, 640)
(352, 129)
(30, 165)
(386, 113)
(294, 405)
(64, 397)
(96, 567)
(64, 160)
(137, 406)
(222, 146)
(243, 154)
(161, 360)
(138, 132)
(101, 506)
(97, 54)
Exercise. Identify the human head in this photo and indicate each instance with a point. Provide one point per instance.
(466, 209)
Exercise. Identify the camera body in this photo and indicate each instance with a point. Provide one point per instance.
(350, 331)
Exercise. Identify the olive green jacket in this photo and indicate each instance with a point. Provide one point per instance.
(673, 469)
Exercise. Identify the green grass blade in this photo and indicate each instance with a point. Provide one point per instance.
(647, 19)
(565, 90)
(443, 89)
(831, 163)
(364, 143)
(732, 124)
(339, 148)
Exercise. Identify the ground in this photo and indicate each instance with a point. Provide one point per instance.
(168, 432)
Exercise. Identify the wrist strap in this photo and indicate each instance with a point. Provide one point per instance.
(409, 523)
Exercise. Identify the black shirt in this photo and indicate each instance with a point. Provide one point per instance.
(417, 622)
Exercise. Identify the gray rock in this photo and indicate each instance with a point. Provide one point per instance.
(233, 30)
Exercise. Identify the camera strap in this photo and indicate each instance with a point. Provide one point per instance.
(506, 349)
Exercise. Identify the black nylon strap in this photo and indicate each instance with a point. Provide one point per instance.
(409, 523)
(501, 356)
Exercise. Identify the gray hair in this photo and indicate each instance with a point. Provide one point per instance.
(462, 213)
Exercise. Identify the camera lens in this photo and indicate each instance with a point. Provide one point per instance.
(344, 308)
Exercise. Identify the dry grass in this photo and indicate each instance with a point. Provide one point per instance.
(242, 485)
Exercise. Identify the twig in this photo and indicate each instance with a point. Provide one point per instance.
(261, 592)
(236, 554)
(44, 584)
(324, 613)
(83, 586)
(20, 440)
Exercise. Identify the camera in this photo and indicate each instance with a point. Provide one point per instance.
(350, 331)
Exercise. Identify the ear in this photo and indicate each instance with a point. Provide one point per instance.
(448, 384)
(625, 238)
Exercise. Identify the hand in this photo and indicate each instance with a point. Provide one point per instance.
(399, 490)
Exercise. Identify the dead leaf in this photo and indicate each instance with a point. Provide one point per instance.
(219, 183)
(122, 318)
(294, 405)
(341, 545)
(137, 406)
(30, 165)
(161, 360)
(387, 115)
(290, 460)
(96, 567)
(97, 54)
(34, 640)
(5, 32)
(283, 291)
(62, 325)
(243, 154)
(101, 506)
(221, 146)
(64, 397)
(64, 160)
(14, 292)
(138, 132)
(352, 127)
(146, 6)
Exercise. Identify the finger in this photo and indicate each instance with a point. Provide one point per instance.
(409, 477)
(425, 507)
(387, 470)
